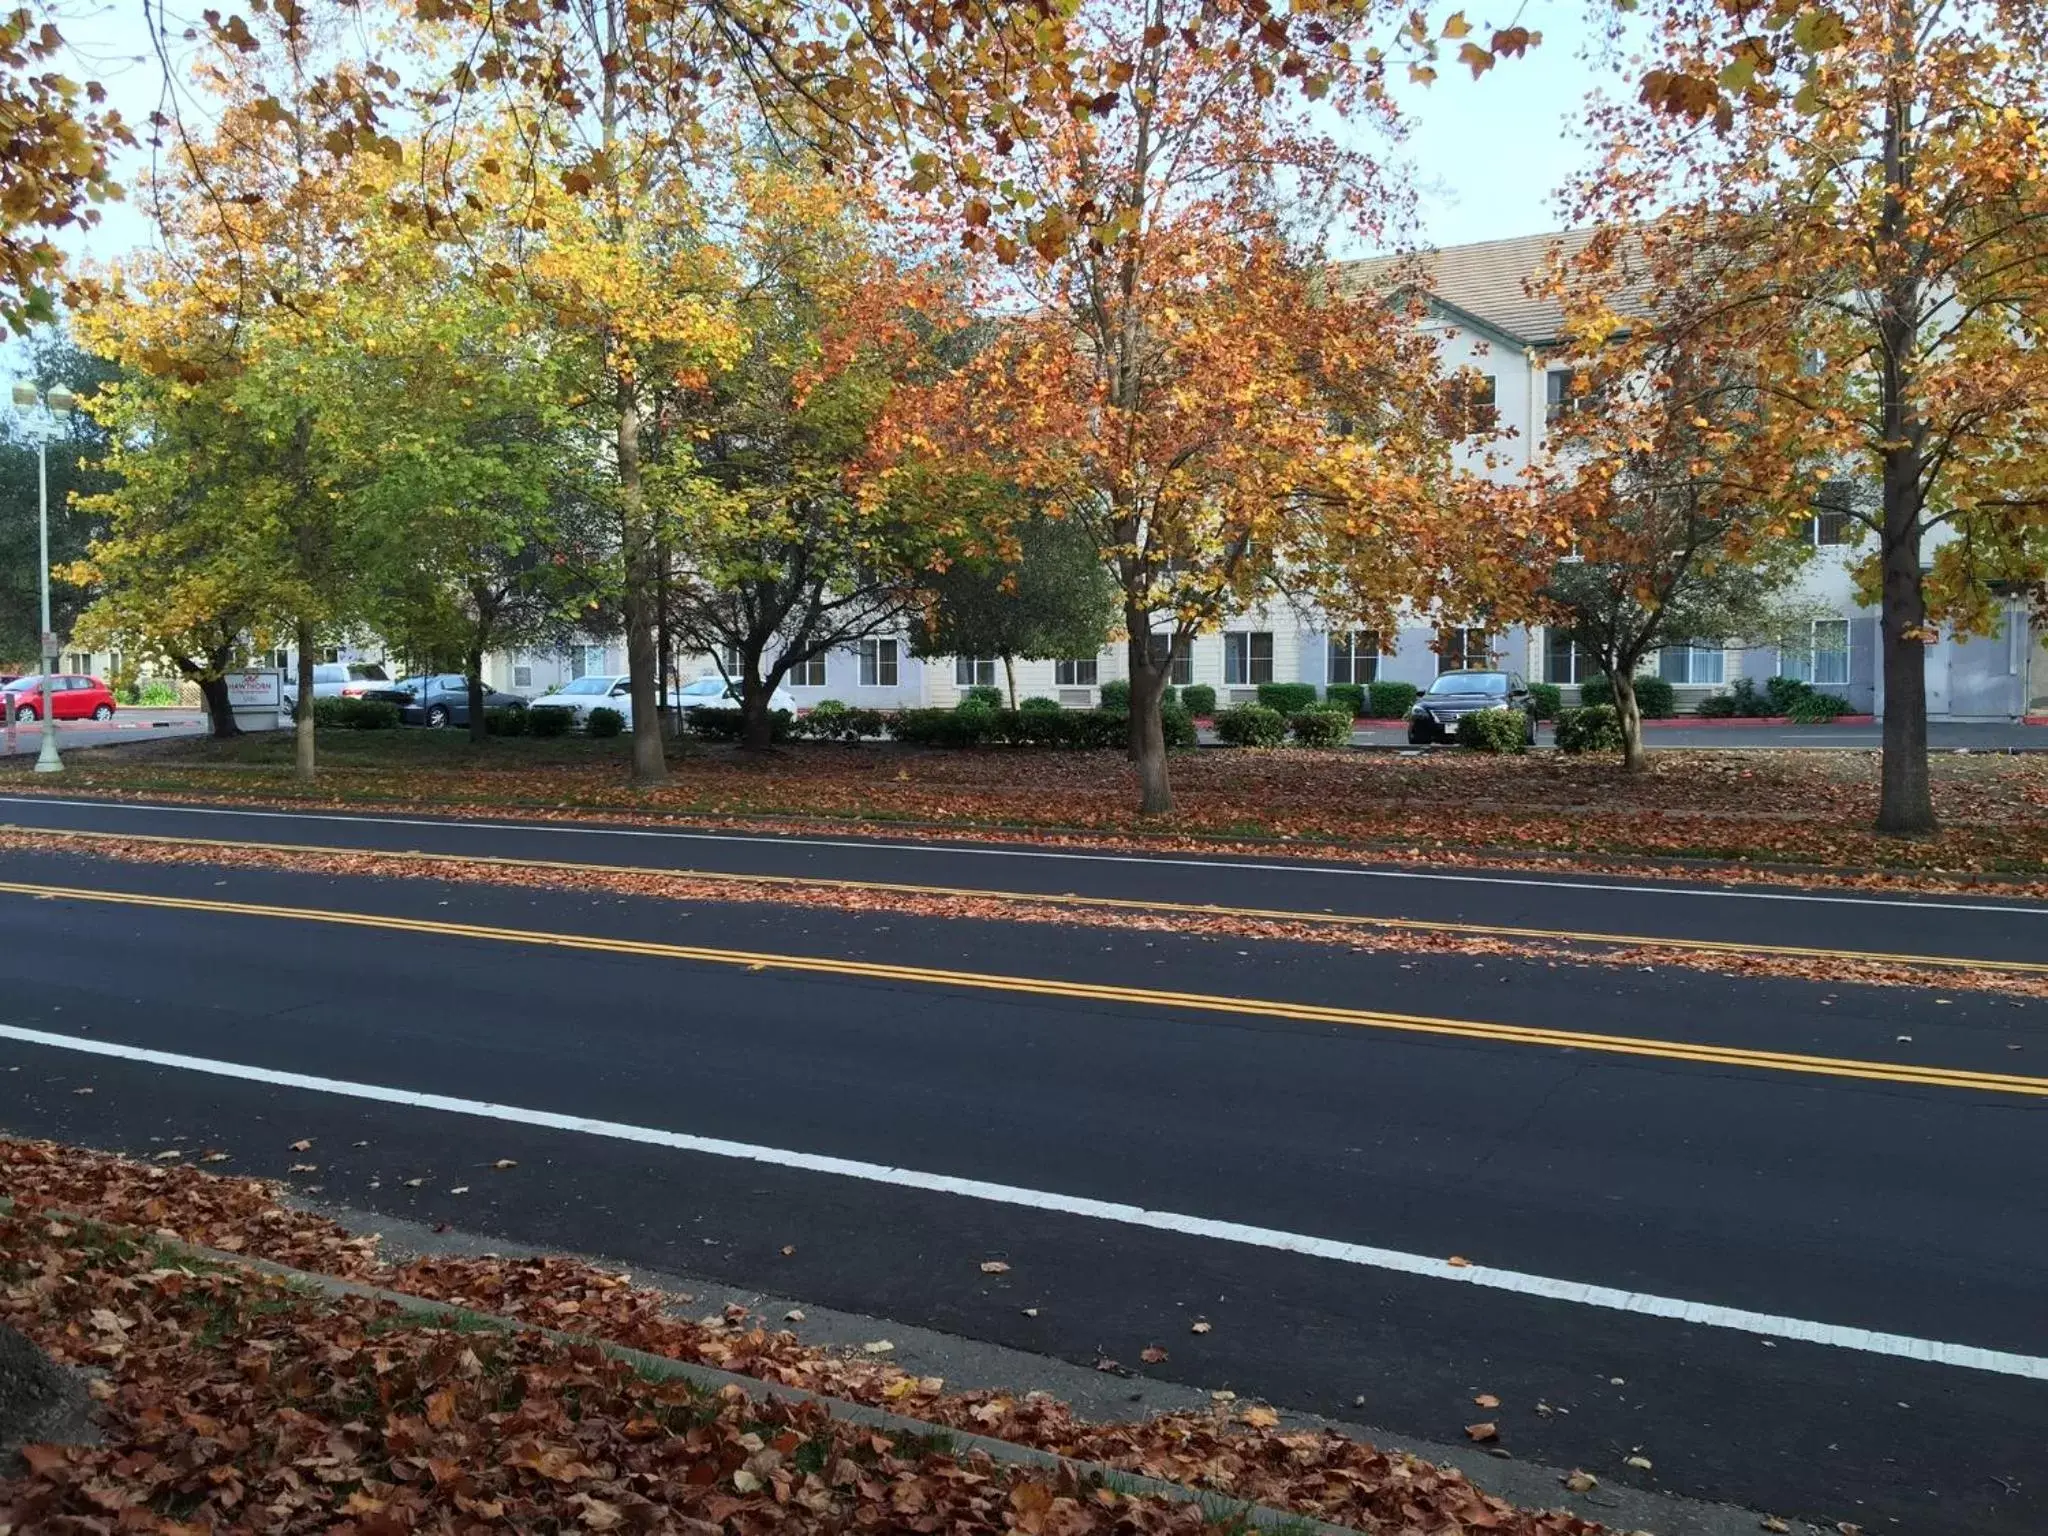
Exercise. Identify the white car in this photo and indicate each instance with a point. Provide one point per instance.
(337, 680)
(713, 692)
(588, 693)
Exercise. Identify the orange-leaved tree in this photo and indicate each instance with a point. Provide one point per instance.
(1176, 370)
(1852, 225)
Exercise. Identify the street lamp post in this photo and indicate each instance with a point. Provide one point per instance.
(44, 410)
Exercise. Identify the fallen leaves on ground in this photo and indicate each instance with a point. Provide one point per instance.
(1241, 1453)
(1757, 807)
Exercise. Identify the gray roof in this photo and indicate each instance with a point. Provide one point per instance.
(1491, 281)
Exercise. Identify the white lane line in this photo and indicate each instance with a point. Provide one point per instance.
(1867, 1341)
(1906, 903)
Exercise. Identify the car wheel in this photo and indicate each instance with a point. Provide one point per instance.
(437, 716)
(25, 712)
(1417, 737)
(103, 712)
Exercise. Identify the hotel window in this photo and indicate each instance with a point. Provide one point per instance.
(1078, 673)
(1825, 661)
(1182, 672)
(1355, 658)
(1464, 650)
(1703, 661)
(1473, 398)
(974, 671)
(1564, 660)
(878, 663)
(1832, 522)
(808, 674)
(1247, 658)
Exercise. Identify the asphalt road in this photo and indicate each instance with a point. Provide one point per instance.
(1294, 1170)
(1942, 736)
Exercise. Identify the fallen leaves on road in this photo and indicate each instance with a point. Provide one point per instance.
(1482, 1432)
(1315, 1473)
(1152, 1354)
(1200, 1327)
(994, 1267)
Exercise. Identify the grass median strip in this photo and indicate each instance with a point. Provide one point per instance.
(771, 883)
(1647, 1047)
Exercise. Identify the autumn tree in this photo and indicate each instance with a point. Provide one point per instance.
(781, 559)
(1044, 598)
(1848, 209)
(1177, 374)
(1649, 524)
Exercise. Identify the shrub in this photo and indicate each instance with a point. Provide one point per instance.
(1784, 694)
(1349, 697)
(1288, 698)
(1655, 699)
(1494, 730)
(1039, 705)
(1198, 699)
(504, 722)
(1817, 708)
(982, 693)
(1169, 697)
(549, 720)
(1545, 700)
(604, 723)
(1177, 725)
(1321, 727)
(1715, 706)
(969, 726)
(1115, 694)
(1251, 725)
(1390, 700)
(838, 724)
(356, 714)
(1745, 702)
(724, 724)
(1593, 728)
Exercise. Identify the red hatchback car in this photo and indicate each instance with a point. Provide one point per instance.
(72, 697)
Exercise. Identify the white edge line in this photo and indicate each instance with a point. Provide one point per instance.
(1764, 1324)
(1904, 903)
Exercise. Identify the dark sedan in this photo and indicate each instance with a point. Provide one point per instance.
(442, 699)
(1457, 694)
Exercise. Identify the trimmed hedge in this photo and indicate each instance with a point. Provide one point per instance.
(840, 724)
(1116, 694)
(1321, 727)
(1494, 730)
(1545, 700)
(1198, 699)
(504, 722)
(983, 693)
(1072, 729)
(1655, 699)
(1391, 700)
(1039, 705)
(1591, 728)
(1251, 725)
(1348, 696)
(1288, 698)
(552, 720)
(1817, 708)
(604, 723)
(726, 724)
(356, 714)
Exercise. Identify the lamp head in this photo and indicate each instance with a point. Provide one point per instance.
(25, 396)
(60, 401)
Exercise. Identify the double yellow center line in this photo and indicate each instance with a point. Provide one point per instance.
(1089, 903)
(1089, 992)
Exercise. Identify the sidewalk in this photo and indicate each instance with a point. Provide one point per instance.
(127, 725)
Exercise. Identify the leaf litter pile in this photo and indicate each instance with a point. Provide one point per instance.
(231, 1401)
(1357, 935)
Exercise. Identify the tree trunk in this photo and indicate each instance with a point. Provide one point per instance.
(1148, 735)
(1010, 676)
(477, 730)
(1633, 757)
(757, 727)
(1905, 797)
(303, 764)
(650, 763)
(220, 714)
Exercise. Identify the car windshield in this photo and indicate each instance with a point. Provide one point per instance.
(705, 688)
(587, 685)
(1471, 682)
(32, 681)
(367, 672)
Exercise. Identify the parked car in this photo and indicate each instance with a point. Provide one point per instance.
(440, 699)
(713, 692)
(1456, 694)
(338, 680)
(588, 693)
(72, 697)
